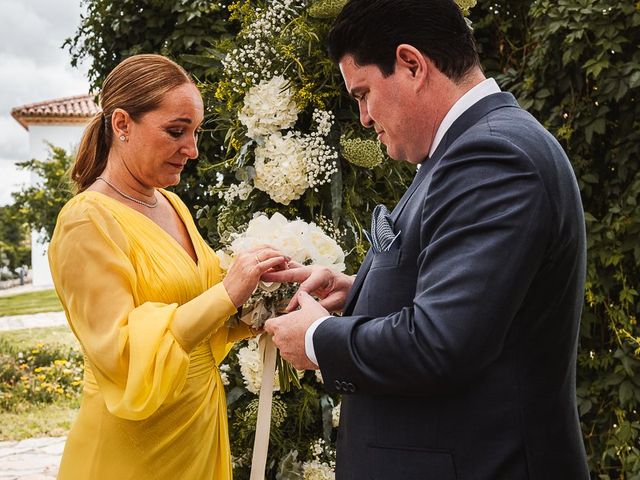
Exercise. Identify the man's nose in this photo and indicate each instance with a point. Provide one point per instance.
(365, 118)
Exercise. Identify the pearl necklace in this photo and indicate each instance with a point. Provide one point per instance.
(129, 197)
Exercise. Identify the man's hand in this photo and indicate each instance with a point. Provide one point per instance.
(289, 331)
(331, 287)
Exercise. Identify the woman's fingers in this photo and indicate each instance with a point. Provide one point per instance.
(262, 254)
(273, 262)
(294, 274)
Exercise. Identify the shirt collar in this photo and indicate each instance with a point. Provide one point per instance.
(483, 89)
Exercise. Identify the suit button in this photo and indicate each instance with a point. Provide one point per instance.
(338, 385)
(351, 388)
(345, 386)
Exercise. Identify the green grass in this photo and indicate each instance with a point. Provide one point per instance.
(27, 338)
(26, 419)
(38, 421)
(32, 302)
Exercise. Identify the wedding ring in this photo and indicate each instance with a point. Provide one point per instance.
(257, 259)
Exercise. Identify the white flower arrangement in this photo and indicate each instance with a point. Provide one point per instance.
(240, 190)
(224, 370)
(251, 367)
(285, 165)
(304, 242)
(268, 108)
(281, 170)
(322, 466)
(315, 470)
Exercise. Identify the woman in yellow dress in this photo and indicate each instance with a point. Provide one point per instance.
(143, 292)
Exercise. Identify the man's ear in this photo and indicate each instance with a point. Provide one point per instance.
(412, 62)
(121, 122)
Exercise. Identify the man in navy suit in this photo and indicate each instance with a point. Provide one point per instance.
(456, 350)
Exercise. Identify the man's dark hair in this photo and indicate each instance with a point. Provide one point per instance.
(371, 30)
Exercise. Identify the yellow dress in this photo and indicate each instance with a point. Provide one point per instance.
(152, 325)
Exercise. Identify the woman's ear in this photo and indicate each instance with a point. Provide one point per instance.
(121, 123)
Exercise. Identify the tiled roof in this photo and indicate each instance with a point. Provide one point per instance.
(64, 110)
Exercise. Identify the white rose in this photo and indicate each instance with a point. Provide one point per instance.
(225, 259)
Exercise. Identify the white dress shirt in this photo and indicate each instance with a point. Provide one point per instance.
(483, 89)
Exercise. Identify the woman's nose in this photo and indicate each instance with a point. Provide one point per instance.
(191, 148)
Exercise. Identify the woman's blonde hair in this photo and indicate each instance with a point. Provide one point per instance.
(138, 86)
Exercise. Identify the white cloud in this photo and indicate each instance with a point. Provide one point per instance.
(38, 28)
(11, 180)
(33, 68)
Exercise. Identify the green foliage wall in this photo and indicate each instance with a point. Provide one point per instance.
(575, 65)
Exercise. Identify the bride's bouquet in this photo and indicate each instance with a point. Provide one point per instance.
(305, 243)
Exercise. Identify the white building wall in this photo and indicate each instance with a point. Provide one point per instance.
(59, 135)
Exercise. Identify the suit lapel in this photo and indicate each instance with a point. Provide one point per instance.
(469, 118)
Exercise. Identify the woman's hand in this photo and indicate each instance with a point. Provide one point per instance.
(332, 288)
(243, 276)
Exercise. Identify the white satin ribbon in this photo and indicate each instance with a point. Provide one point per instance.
(263, 423)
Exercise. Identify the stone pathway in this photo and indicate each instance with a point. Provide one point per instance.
(35, 320)
(6, 292)
(32, 459)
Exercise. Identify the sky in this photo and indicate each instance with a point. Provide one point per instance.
(33, 68)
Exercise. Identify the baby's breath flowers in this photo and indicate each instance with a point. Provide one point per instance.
(321, 158)
(257, 58)
(240, 190)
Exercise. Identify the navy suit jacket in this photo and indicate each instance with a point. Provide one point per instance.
(456, 354)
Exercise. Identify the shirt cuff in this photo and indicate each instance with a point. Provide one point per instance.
(308, 339)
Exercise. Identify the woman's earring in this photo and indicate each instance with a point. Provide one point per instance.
(123, 138)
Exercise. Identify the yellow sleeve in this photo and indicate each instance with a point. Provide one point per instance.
(222, 342)
(138, 352)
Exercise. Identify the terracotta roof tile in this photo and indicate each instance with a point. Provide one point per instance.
(68, 108)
